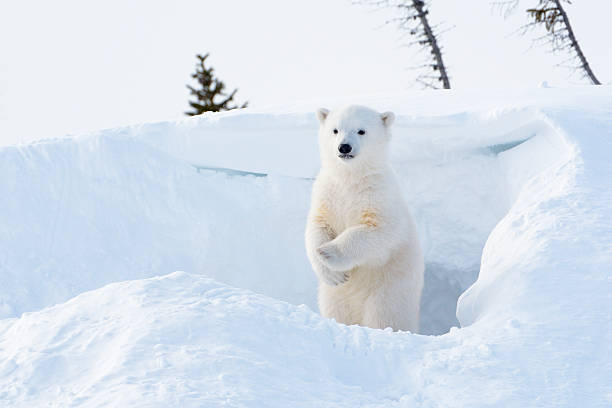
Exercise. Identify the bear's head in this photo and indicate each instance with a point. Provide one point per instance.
(354, 137)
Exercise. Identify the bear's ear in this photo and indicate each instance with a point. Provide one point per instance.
(322, 114)
(387, 118)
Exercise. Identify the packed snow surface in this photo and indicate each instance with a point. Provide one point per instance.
(512, 197)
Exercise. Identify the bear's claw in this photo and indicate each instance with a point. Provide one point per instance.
(325, 252)
(334, 278)
(330, 256)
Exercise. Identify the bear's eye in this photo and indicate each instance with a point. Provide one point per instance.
(361, 132)
(335, 131)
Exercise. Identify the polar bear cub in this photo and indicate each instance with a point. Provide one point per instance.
(360, 237)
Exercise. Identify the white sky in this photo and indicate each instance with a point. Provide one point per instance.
(70, 66)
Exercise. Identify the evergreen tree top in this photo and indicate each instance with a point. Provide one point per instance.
(209, 92)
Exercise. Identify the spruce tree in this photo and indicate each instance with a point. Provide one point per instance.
(209, 95)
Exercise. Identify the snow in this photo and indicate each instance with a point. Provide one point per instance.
(511, 194)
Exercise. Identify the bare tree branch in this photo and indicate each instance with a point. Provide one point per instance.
(414, 22)
(575, 46)
(433, 42)
(559, 35)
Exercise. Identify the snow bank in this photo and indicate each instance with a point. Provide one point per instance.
(226, 196)
(185, 340)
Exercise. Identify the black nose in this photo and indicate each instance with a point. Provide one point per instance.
(345, 148)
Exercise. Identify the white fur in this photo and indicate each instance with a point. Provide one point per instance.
(360, 237)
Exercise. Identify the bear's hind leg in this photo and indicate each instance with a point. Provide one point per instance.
(392, 309)
(334, 304)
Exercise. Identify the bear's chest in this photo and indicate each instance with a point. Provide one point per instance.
(348, 206)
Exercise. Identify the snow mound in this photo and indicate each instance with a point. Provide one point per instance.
(186, 340)
(227, 196)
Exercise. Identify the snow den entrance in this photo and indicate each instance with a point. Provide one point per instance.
(460, 174)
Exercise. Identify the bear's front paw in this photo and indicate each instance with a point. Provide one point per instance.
(333, 278)
(330, 256)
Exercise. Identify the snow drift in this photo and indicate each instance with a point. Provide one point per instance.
(526, 178)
